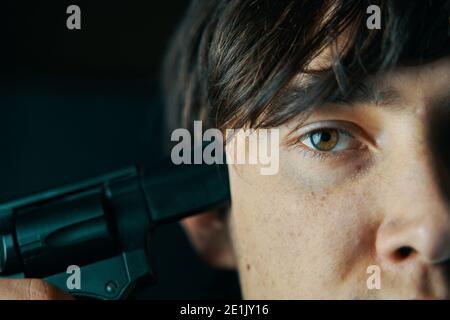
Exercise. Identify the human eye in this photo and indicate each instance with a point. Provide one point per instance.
(330, 138)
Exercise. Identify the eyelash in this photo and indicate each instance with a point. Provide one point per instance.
(322, 155)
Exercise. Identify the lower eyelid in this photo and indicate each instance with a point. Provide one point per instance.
(312, 154)
(348, 158)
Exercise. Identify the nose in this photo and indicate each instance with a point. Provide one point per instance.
(417, 224)
(426, 240)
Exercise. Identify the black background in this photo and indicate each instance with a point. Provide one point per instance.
(79, 103)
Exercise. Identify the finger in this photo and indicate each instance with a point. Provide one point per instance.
(30, 289)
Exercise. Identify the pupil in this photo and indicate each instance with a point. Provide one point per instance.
(325, 136)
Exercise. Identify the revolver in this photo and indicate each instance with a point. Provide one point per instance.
(102, 227)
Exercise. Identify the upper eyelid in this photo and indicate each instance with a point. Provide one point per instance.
(309, 133)
(327, 124)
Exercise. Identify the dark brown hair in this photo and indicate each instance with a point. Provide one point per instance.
(232, 62)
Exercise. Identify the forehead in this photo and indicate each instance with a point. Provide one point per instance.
(427, 82)
(419, 89)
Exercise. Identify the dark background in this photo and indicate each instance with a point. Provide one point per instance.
(79, 103)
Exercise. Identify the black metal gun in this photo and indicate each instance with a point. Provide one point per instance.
(103, 226)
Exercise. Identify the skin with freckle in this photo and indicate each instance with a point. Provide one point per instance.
(312, 230)
(359, 208)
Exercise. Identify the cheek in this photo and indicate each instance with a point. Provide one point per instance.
(295, 240)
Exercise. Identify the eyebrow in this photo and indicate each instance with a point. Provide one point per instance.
(370, 93)
(367, 92)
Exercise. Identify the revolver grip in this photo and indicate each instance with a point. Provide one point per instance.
(109, 279)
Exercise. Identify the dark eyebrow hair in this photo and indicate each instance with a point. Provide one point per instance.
(369, 92)
(384, 96)
(366, 92)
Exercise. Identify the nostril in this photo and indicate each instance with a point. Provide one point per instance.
(403, 253)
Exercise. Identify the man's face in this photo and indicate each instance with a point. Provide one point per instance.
(360, 188)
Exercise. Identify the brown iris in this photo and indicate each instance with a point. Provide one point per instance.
(324, 139)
